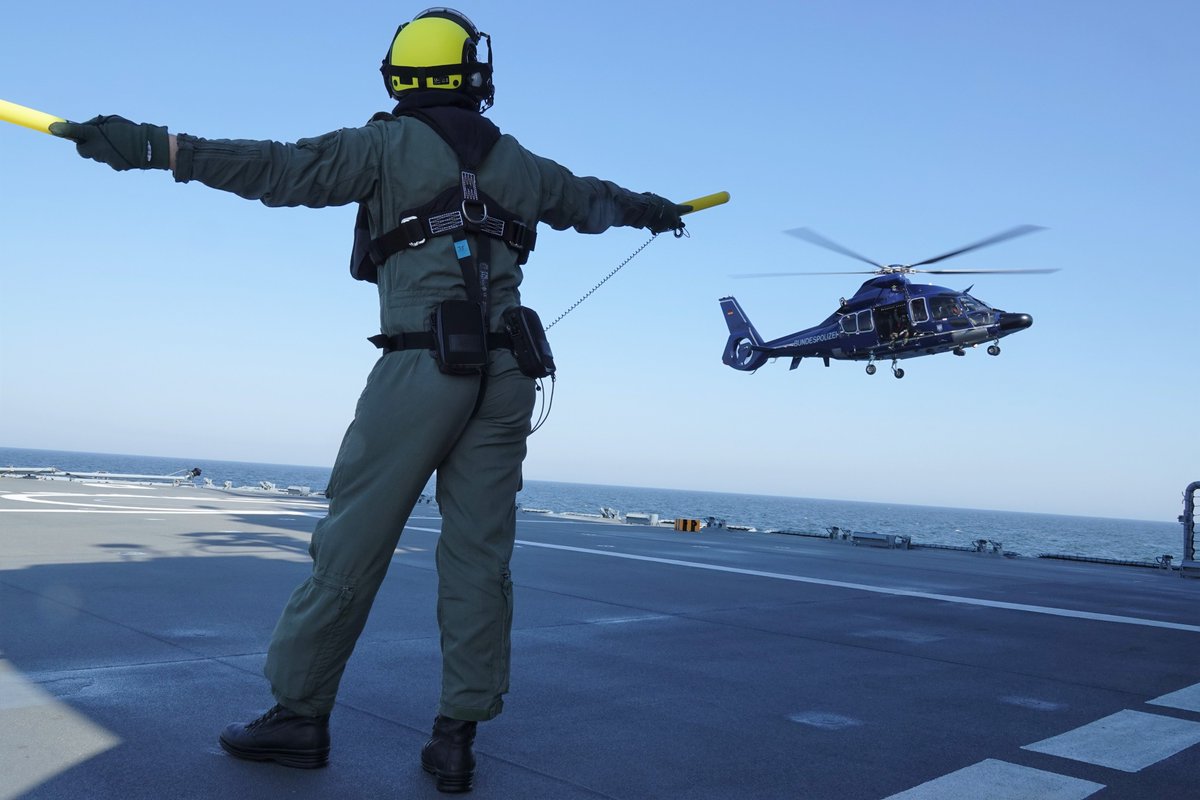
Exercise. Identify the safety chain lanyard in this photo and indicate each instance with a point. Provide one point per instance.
(574, 305)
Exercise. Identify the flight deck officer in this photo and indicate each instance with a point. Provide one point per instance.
(413, 419)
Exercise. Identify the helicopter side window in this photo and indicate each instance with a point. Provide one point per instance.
(918, 310)
(865, 321)
(850, 324)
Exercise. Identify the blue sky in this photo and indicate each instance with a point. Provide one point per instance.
(141, 316)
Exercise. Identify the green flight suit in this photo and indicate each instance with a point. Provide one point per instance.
(412, 420)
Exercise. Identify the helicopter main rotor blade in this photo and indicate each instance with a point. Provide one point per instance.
(986, 271)
(812, 237)
(1004, 236)
(794, 274)
(901, 272)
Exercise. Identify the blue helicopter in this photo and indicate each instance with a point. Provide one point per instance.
(889, 317)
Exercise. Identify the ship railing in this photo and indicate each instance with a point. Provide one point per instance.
(176, 479)
(1189, 567)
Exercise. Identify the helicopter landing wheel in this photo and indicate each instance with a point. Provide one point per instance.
(958, 351)
(897, 371)
(871, 369)
(993, 350)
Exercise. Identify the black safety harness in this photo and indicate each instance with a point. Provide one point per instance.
(458, 209)
(458, 336)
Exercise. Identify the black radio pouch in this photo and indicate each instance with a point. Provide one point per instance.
(459, 337)
(529, 343)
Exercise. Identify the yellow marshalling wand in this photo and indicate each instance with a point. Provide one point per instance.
(27, 117)
(701, 203)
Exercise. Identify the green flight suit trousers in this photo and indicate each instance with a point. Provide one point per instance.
(410, 422)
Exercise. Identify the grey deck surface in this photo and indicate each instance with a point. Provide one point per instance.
(646, 663)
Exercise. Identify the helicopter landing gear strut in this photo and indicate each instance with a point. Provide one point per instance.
(897, 371)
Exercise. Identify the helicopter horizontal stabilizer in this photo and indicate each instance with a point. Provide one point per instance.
(743, 349)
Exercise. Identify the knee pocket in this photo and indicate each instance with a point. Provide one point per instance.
(309, 637)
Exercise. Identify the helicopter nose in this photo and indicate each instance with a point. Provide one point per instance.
(1014, 322)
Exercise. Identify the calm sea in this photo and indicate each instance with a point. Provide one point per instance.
(1023, 533)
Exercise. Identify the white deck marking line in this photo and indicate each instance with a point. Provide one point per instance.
(45, 497)
(249, 512)
(1127, 740)
(863, 587)
(93, 504)
(998, 780)
(1187, 699)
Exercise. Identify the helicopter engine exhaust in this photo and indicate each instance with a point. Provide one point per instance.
(741, 349)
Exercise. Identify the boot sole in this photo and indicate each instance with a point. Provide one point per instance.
(450, 783)
(297, 759)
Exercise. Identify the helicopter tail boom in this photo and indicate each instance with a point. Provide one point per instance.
(742, 349)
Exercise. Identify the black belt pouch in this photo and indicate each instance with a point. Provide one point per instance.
(530, 346)
(459, 338)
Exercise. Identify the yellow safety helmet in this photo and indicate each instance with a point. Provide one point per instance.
(439, 50)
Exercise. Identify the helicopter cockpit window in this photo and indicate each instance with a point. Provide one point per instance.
(865, 321)
(970, 304)
(850, 324)
(918, 310)
(945, 307)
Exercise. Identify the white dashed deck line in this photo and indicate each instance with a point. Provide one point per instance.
(1128, 740)
(1186, 699)
(999, 780)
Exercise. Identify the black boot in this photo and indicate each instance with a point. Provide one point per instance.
(282, 736)
(447, 755)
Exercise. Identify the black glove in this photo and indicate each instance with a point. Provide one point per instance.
(118, 142)
(658, 215)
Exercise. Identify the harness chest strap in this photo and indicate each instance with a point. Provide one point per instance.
(480, 215)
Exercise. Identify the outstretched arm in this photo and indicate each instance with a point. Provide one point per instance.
(592, 205)
(329, 170)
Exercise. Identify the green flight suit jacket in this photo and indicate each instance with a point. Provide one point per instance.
(397, 165)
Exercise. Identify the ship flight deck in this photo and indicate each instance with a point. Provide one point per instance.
(647, 663)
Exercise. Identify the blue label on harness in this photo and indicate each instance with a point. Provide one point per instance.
(462, 249)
